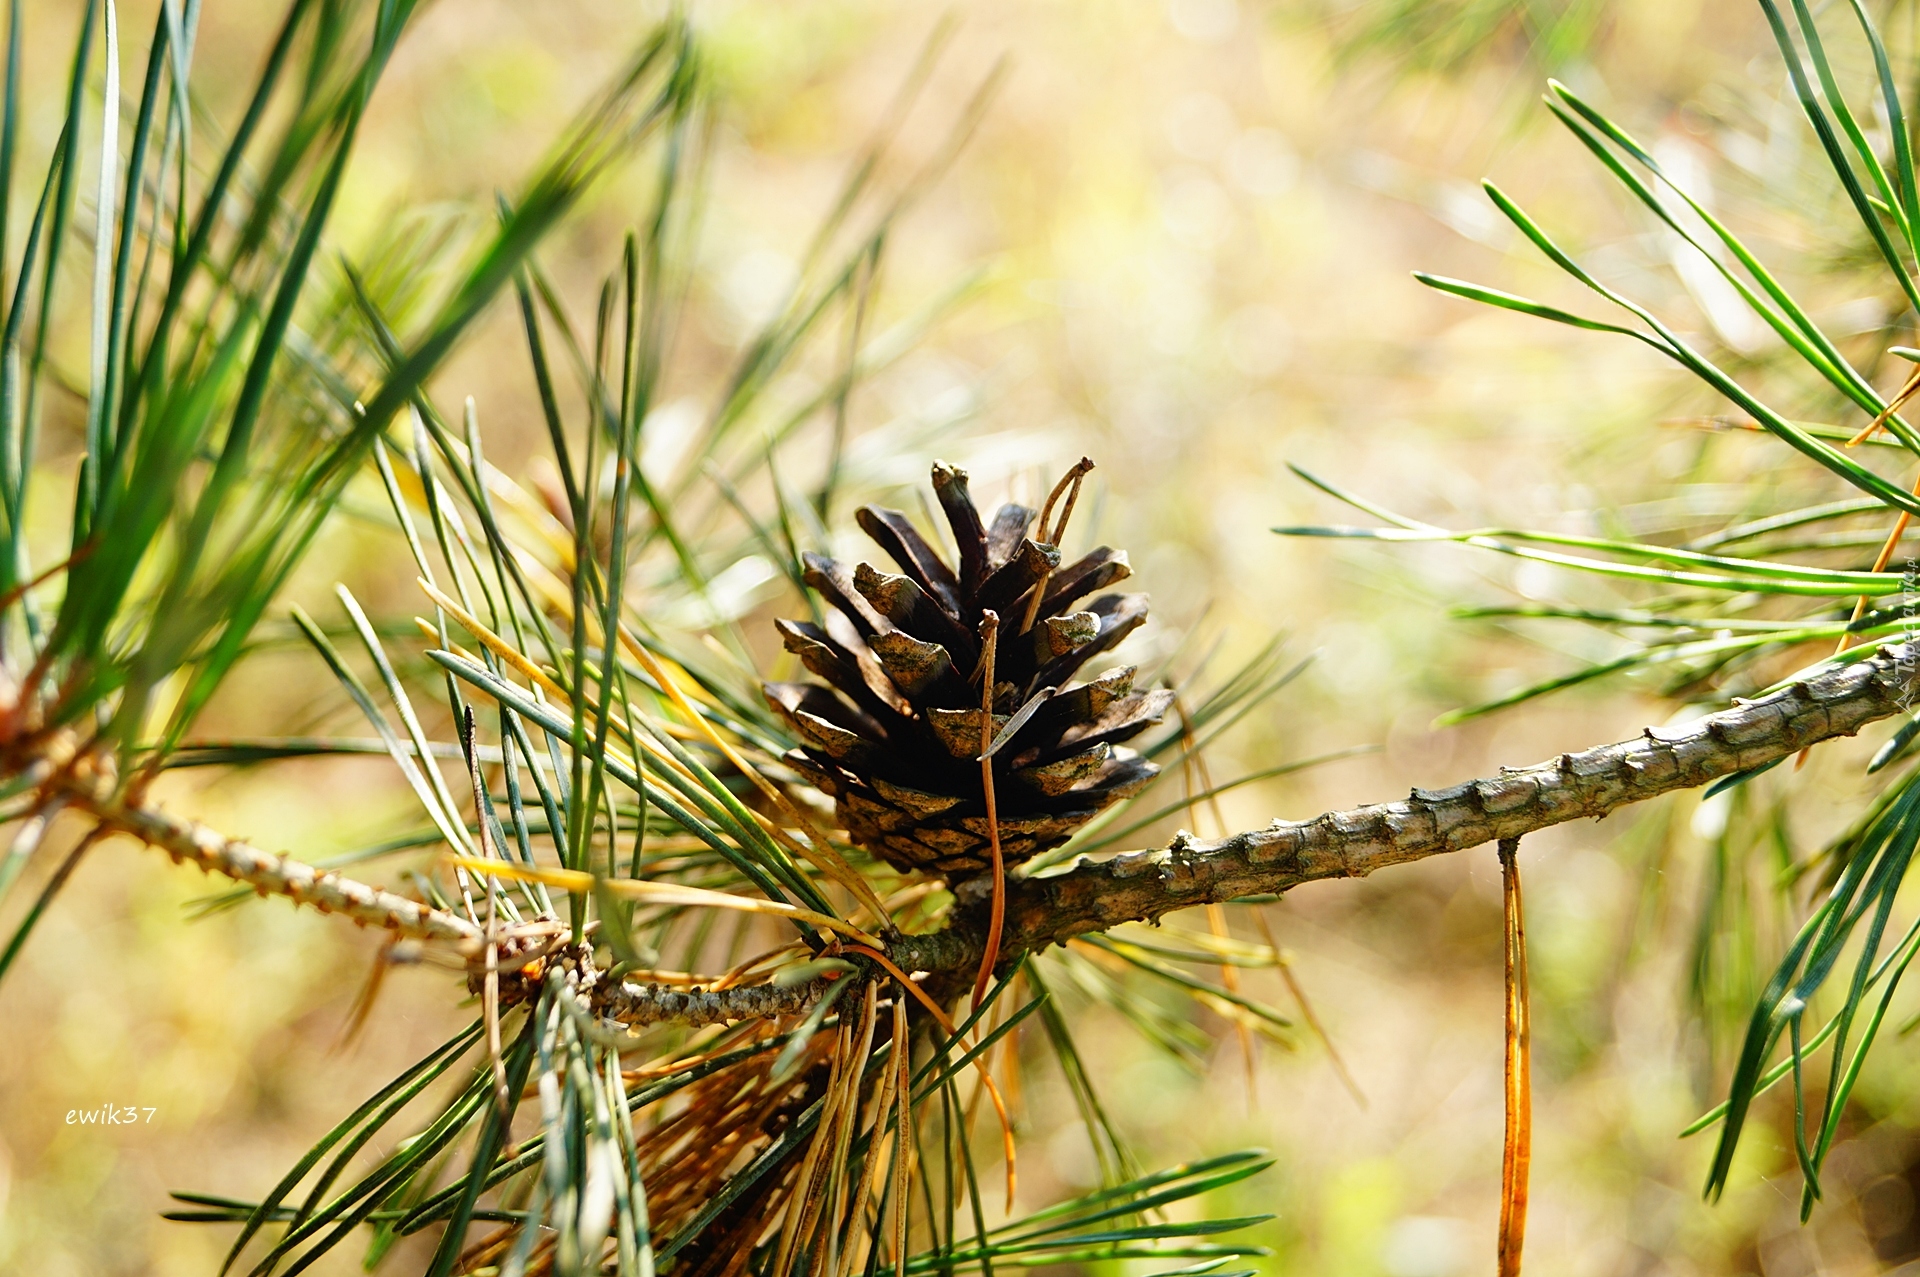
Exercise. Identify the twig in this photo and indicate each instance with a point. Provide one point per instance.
(188, 841)
(1089, 896)
(660, 1004)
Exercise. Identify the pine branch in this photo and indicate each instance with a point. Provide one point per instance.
(190, 842)
(1092, 896)
(657, 1003)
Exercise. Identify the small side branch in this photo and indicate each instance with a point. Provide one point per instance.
(636, 1004)
(189, 842)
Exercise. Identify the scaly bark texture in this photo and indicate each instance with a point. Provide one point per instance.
(189, 842)
(655, 1003)
(1091, 896)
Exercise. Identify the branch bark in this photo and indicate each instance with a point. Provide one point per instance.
(656, 1003)
(1090, 896)
(190, 842)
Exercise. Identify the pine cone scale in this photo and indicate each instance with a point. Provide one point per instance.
(905, 546)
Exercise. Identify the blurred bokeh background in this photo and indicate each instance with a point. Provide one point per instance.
(1180, 241)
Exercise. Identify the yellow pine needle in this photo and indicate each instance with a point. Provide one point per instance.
(876, 1123)
(990, 955)
(1009, 1052)
(429, 631)
(827, 1258)
(678, 979)
(904, 1145)
(1244, 1021)
(824, 1207)
(493, 642)
(823, 856)
(532, 672)
(666, 1066)
(1006, 1136)
(501, 486)
(740, 973)
(1886, 551)
(1517, 1160)
(535, 515)
(659, 893)
(520, 663)
(992, 1092)
(979, 1062)
(829, 864)
(549, 586)
(1894, 405)
(1196, 766)
(1881, 560)
(800, 1201)
(1228, 948)
(1230, 980)
(358, 1015)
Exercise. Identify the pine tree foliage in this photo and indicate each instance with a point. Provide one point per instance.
(715, 1033)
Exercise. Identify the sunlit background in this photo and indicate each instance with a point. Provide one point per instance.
(1180, 242)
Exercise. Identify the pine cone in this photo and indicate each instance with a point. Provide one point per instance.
(895, 737)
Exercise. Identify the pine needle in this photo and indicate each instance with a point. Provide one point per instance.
(657, 893)
(979, 1062)
(904, 1147)
(1069, 486)
(1194, 765)
(989, 640)
(490, 996)
(1518, 1158)
(1899, 401)
(821, 852)
(1307, 1012)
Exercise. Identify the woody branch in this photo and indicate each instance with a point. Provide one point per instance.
(1091, 896)
(1094, 896)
